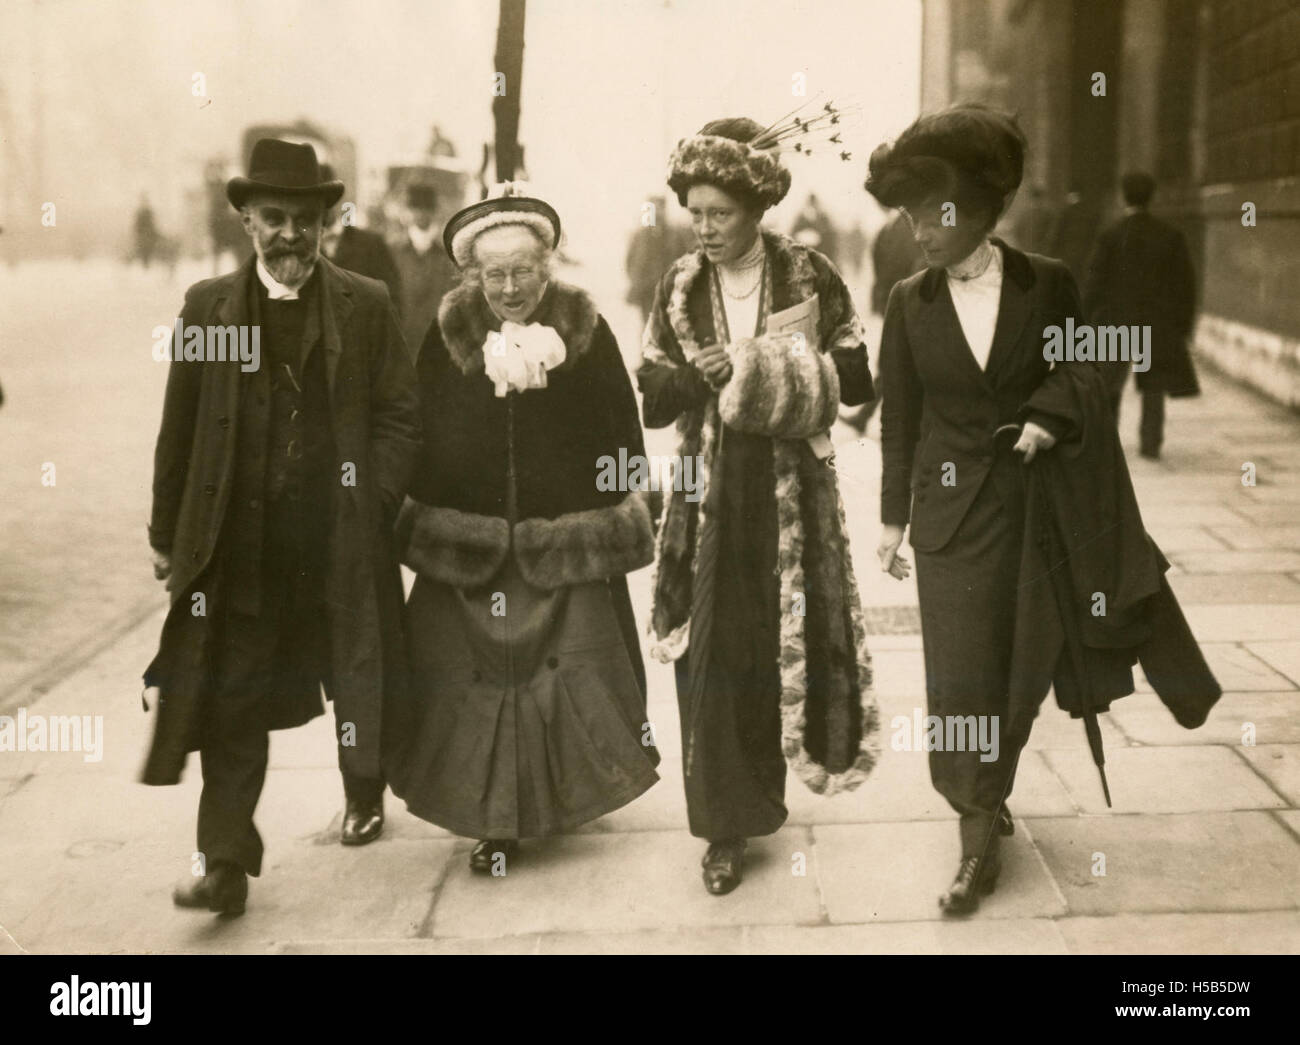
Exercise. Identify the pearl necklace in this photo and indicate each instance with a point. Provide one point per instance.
(728, 272)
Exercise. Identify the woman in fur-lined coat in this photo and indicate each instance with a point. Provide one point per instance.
(752, 344)
(529, 715)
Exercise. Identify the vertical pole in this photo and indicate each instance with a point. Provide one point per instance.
(509, 60)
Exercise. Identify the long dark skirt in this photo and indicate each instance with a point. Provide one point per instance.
(529, 721)
(731, 744)
(967, 594)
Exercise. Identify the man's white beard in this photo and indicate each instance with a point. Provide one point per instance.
(290, 269)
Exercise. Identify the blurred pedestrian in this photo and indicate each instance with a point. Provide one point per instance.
(894, 256)
(359, 250)
(813, 228)
(1033, 229)
(275, 490)
(146, 233)
(752, 345)
(1141, 275)
(426, 271)
(529, 714)
(651, 249)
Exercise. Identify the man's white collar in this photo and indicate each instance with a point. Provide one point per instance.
(276, 290)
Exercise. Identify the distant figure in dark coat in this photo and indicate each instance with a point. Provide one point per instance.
(146, 233)
(427, 273)
(894, 256)
(650, 251)
(1141, 274)
(359, 250)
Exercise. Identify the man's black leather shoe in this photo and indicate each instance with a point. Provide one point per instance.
(223, 890)
(975, 878)
(724, 866)
(484, 855)
(1006, 826)
(362, 822)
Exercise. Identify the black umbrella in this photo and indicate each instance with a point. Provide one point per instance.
(1055, 549)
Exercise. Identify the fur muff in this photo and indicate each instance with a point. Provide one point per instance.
(465, 321)
(780, 388)
(578, 547)
(457, 548)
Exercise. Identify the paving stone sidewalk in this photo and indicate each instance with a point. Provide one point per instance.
(1201, 849)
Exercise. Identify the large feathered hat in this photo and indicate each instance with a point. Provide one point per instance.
(967, 151)
(723, 154)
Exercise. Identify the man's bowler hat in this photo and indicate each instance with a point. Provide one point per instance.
(283, 167)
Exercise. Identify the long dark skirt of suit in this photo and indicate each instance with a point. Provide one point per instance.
(942, 410)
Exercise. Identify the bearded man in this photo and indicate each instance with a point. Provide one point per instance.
(274, 495)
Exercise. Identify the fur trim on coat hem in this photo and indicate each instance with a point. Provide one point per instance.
(591, 545)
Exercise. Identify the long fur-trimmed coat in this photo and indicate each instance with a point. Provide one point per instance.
(787, 392)
(453, 527)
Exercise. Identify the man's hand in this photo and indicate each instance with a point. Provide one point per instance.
(162, 565)
(1032, 439)
(891, 537)
(713, 362)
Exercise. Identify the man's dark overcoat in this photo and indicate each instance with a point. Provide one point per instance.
(1140, 274)
(374, 414)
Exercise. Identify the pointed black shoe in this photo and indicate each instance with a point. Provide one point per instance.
(975, 878)
(724, 866)
(223, 890)
(362, 822)
(1006, 826)
(483, 855)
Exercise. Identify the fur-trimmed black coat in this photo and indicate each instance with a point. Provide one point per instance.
(454, 525)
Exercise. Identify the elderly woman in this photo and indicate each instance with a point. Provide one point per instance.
(529, 714)
(752, 344)
(962, 357)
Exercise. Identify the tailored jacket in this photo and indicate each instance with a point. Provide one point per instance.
(941, 409)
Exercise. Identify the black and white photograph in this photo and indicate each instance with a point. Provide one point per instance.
(651, 477)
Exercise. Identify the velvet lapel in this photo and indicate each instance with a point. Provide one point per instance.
(941, 328)
(1014, 307)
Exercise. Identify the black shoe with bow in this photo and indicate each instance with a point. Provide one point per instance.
(485, 854)
(724, 865)
(975, 878)
(362, 821)
(223, 890)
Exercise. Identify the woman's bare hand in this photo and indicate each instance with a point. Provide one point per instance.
(891, 538)
(713, 362)
(1032, 439)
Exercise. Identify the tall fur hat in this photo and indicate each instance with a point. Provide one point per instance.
(968, 151)
(721, 154)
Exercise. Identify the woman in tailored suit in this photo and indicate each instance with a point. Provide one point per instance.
(962, 357)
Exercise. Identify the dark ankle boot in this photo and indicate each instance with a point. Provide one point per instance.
(484, 855)
(975, 878)
(724, 865)
(223, 890)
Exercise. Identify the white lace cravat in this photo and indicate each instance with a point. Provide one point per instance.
(517, 357)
